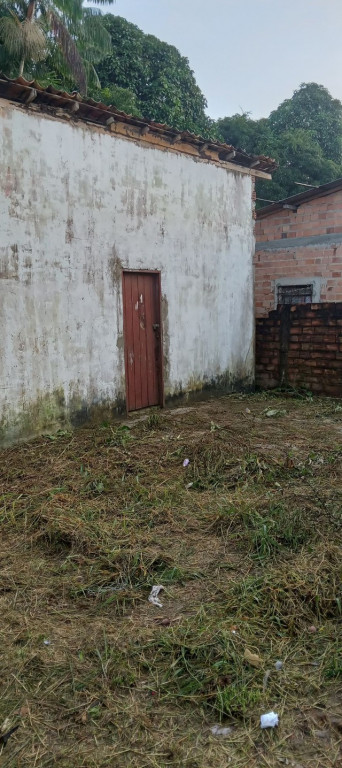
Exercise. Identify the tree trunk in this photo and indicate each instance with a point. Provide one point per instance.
(29, 17)
(30, 10)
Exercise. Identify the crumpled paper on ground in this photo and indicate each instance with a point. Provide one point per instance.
(153, 596)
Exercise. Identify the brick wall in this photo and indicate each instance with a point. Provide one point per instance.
(318, 217)
(301, 346)
(306, 262)
(322, 215)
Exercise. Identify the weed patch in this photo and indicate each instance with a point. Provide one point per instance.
(245, 540)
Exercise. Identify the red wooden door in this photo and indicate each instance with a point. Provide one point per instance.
(142, 336)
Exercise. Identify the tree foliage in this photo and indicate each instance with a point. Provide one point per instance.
(161, 79)
(70, 45)
(304, 135)
(121, 98)
(59, 36)
(312, 109)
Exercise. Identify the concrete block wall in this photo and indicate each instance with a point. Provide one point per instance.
(301, 346)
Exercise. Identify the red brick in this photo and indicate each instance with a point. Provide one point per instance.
(335, 391)
(315, 340)
(316, 387)
(313, 217)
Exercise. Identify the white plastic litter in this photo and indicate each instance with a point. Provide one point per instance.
(217, 730)
(278, 665)
(270, 412)
(270, 720)
(153, 596)
(47, 642)
(186, 462)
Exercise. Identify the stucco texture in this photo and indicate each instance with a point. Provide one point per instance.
(78, 205)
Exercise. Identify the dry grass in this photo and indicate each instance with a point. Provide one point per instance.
(247, 543)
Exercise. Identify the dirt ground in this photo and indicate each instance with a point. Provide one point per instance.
(245, 540)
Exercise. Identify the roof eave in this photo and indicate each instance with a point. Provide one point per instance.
(302, 197)
(90, 111)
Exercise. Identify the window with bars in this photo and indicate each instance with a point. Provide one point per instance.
(295, 294)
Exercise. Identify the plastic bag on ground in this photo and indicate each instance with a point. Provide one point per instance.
(269, 720)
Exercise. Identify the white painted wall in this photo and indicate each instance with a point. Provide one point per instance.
(76, 205)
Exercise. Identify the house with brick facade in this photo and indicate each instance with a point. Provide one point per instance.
(298, 257)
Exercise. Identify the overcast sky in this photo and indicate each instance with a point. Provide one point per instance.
(248, 55)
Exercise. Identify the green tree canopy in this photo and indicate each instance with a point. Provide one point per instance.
(312, 109)
(244, 133)
(301, 159)
(161, 79)
(61, 36)
(304, 135)
(70, 45)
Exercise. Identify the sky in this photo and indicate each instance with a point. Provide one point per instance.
(248, 55)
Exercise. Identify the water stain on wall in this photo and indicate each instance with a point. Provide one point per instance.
(46, 413)
(166, 340)
(9, 263)
(116, 268)
(69, 230)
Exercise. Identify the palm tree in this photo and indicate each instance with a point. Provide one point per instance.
(59, 30)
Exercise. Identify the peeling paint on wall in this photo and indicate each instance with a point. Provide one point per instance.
(77, 206)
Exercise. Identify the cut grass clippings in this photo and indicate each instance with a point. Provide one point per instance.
(246, 541)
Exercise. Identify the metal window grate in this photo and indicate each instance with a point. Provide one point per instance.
(295, 294)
